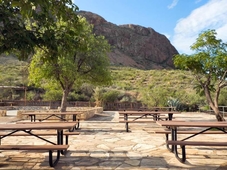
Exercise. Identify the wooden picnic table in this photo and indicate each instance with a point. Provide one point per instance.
(157, 108)
(58, 115)
(28, 129)
(205, 125)
(144, 116)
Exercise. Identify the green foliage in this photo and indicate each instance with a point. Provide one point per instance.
(78, 97)
(52, 91)
(172, 102)
(223, 96)
(208, 65)
(86, 89)
(30, 24)
(209, 60)
(84, 59)
(155, 96)
(98, 96)
(30, 95)
(128, 97)
(154, 87)
(81, 58)
(13, 72)
(111, 96)
(53, 95)
(179, 84)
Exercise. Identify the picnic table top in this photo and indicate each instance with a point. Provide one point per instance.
(44, 126)
(192, 124)
(148, 112)
(51, 113)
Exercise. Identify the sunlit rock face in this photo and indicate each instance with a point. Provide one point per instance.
(134, 45)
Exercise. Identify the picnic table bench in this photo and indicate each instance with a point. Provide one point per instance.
(168, 132)
(210, 128)
(144, 117)
(59, 146)
(40, 133)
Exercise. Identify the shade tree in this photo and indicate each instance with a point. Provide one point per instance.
(81, 58)
(208, 65)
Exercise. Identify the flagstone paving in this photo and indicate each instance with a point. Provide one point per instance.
(104, 144)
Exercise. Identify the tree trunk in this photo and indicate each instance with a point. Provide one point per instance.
(64, 102)
(213, 104)
(218, 114)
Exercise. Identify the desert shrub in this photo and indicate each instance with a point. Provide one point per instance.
(78, 97)
(30, 95)
(111, 96)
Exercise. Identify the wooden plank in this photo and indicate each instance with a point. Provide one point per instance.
(147, 112)
(34, 147)
(196, 143)
(46, 122)
(38, 133)
(137, 121)
(192, 124)
(135, 116)
(52, 113)
(36, 126)
(188, 132)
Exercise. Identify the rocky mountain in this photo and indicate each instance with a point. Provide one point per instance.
(134, 45)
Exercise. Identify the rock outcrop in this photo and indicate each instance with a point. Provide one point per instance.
(134, 45)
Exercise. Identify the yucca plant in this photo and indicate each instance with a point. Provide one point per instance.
(173, 102)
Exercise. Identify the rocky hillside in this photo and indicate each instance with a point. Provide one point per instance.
(134, 45)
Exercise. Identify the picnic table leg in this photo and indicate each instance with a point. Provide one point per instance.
(174, 147)
(167, 138)
(170, 116)
(173, 137)
(78, 124)
(60, 140)
(155, 117)
(32, 117)
(181, 158)
(52, 162)
(126, 126)
(126, 123)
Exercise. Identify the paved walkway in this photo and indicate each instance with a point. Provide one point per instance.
(104, 144)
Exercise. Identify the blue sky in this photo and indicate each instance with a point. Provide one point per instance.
(180, 21)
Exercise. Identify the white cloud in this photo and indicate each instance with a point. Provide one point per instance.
(167, 35)
(198, 1)
(173, 4)
(222, 32)
(209, 16)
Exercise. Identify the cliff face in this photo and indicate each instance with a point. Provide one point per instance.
(134, 45)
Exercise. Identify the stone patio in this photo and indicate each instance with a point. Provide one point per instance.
(104, 144)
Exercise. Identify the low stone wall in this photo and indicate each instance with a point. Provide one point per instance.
(3, 113)
(86, 113)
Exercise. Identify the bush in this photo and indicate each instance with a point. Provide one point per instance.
(111, 96)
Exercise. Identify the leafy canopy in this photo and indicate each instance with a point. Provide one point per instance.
(209, 66)
(82, 57)
(209, 62)
(25, 25)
